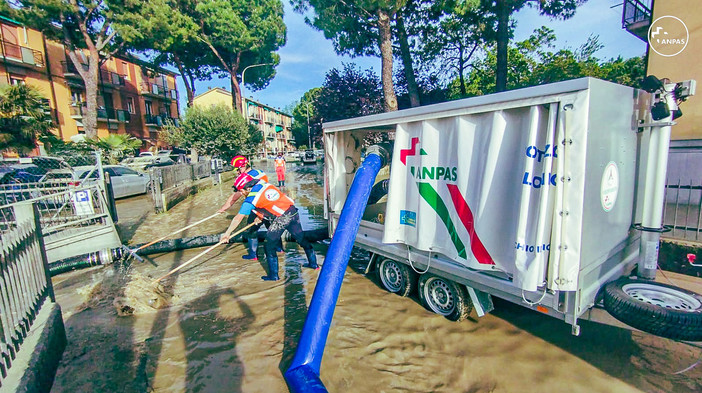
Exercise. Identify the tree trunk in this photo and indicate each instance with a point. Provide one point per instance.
(461, 69)
(386, 61)
(412, 88)
(236, 94)
(187, 80)
(503, 11)
(91, 93)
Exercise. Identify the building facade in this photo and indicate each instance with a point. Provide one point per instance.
(675, 54)
(274, 124)
(685, 27)
(133, 97)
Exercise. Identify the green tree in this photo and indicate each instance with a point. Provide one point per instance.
(359, 28)
(348, 93)
(305, 117)
(503, 10)
(532, 63)
(215, 131)
(166, 27)
(241, 33)
(99, 27)
(460, 30)
(24, 116)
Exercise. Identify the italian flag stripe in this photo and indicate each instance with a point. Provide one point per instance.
(434, 200)
(466, 216)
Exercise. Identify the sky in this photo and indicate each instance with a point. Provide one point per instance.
(307, 55)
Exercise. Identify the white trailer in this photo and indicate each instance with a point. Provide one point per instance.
(539, 196)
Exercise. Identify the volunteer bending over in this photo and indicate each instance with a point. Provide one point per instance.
(271, 203)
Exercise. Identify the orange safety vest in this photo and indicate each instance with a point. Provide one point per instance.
(267, 198)
(279, 162)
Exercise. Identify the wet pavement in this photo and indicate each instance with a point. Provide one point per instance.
(216, 327)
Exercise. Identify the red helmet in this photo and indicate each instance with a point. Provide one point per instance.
(244, 181)
(239, 161)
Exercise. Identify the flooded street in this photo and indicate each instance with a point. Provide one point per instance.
(215, 326)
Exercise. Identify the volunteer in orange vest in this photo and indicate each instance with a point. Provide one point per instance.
(242, 165)
(269, 201)
(280, 169)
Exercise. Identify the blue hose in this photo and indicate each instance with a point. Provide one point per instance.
(303, 373)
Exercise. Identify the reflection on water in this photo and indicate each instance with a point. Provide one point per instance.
(224, 329)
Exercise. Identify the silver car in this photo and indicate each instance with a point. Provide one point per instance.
(125, 181)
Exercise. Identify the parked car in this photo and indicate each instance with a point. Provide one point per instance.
(125, 181)
(146, 162)
(309, 157)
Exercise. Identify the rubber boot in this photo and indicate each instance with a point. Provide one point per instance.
(272, 269)
(311, 259)
(253, 247)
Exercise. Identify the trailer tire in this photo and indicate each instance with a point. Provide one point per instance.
(659, 309)
(444, 297)
(396, 277)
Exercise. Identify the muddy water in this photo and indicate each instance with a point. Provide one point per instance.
(216, 327)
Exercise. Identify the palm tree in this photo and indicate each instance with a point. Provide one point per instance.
(24, 115)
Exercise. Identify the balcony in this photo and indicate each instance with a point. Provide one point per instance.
(103, 114)
(160, 120)
(22, 54)
(636, 17)
(111, 78)
(69, 69)
(158, 91)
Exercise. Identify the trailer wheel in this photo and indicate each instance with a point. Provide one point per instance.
(396, 277)
(660, 309)
(444, 297)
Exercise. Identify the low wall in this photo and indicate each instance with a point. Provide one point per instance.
(35, 367)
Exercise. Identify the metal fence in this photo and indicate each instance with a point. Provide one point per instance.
(25, 281)
(683, 211)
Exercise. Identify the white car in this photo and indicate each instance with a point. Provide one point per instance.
(125, 181)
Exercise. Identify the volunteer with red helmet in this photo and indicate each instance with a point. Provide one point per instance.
(280, 169)
(241, 165)
(270, 202)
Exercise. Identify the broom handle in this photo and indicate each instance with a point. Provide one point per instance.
(179, 230)
(193, 259)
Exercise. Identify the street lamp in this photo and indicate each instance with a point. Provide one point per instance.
(309, 136)
(244, 110)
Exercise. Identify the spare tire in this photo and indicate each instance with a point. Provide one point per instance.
(660, 309)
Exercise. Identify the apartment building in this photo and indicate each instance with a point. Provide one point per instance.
(134, 97)
(675, 54)
(273, 123)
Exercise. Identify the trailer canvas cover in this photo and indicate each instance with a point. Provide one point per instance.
(479, 189)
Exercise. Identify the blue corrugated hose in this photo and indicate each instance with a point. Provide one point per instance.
(303, 373)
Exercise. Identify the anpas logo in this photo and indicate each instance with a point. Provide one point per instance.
(668, 36)
(457, 206)
(272, 195)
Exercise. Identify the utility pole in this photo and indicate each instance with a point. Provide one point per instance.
(244, 110)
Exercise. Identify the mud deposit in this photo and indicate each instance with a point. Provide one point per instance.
(216, 327)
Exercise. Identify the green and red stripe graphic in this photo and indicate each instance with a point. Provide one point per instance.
(465, 215)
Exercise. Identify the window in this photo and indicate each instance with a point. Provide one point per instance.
(125, 72)
(16, 80)
(130, 104)
(148, 107)
(76, 97)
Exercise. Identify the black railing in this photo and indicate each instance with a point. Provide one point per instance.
(113, 114)
(112, 78)
(636, 11)
(23, 54)
(160, 91)
(70, 69)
